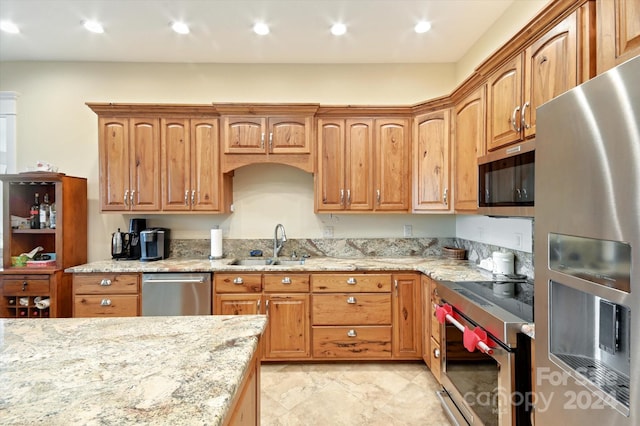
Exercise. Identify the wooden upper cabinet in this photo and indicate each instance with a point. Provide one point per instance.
(549, 67)
(329, 181)
(618, 32)
(267, 133)
(244, 135)
(469, 145)
(129, 164)
(345, 164)
(359, 164)
(504, 102)
(190, 166)
(552, 69)
(393, 150)
(431, 162)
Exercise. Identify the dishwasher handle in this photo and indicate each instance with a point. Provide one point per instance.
(177, 280)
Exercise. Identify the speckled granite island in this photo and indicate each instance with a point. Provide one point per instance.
(122, 371)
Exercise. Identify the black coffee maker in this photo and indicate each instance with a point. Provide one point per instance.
(127, 245)
(136, 226)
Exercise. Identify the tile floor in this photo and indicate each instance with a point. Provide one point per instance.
(349, 394)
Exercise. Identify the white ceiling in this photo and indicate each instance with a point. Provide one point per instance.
(379, 31)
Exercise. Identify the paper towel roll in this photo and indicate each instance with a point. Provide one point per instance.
(216, 243)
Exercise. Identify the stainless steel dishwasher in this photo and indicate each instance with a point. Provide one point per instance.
(167, 294)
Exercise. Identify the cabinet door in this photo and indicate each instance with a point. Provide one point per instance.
(407, 316)
(392, 165)
(359, 164)
(237, 304)
(206, 188)
(244, 135)
(551, 69)
(431, 155)
(290, 135)
(114, 163)
(618, 32)
(469, 145)
(288, 332)
(426, 319)
(144, 163)
(176, 159)
(504, 102)
(330, 179)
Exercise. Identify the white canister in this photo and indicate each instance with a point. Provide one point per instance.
(502, 263)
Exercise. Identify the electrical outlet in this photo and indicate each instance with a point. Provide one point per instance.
(518, 240)
(408, 230)
(327, 232)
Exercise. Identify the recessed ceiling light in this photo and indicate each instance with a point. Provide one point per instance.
(93, 26)
(422, 27)
(180, 27)
(338, 29)
(9, 27)
(261, 28)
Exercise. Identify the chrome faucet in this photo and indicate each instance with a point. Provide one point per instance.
(277, 247)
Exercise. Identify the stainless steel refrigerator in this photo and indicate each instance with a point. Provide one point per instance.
(587, 253)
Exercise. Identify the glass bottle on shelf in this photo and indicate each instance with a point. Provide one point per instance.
(53, 216)
(44, 212)
(34, 220)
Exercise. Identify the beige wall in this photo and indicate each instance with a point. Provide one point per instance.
(56, 126)
(512, 20)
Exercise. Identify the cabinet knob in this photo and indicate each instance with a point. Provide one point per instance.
(351, 281)
(238, 280)
(286, 280)
(352, 333)
(351, 300)
(436, 353)
(105, 282)
(105, 302)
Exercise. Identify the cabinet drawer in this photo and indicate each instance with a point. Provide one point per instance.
(28, 285)
(288, 283)
(367, 283)
(105, 306)
(237, 283)
(105, 283)
(351, 308)
(352, 342)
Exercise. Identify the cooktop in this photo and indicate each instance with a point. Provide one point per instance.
(520, 304)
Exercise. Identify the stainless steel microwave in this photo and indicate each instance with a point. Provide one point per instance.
(506, 184)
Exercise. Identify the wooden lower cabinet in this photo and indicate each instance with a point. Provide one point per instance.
(356, 342)
(285, 301)
(288, 334)
(328, 316)
(21, 294)
(434, 335)
(245, 408)
(106, 295)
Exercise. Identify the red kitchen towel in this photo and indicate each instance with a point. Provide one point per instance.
(442, 312)
(470, 339)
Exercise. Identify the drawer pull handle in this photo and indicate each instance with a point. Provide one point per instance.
(238, 280)
(105, 302)
(351, 281)
(24, 285)
(351, 300)
(352, 333)
(105, 282)
(286, 280)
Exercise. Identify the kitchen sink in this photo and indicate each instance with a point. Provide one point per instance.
(251, 262)
(266, 262)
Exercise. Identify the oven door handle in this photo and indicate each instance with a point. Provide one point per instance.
(445, 313)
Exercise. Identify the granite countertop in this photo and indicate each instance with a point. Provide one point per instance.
(436, 267)
(145, 370)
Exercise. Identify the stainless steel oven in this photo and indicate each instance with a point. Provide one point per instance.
(486, 363)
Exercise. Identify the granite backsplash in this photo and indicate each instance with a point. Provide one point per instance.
(350, 247)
